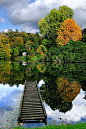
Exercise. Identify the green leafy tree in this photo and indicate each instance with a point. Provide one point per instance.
(50, 25)
(15, 52)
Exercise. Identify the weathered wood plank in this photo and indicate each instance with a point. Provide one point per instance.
(33, 110)
(31, 107)
(28, 104)
(33, 118)
(29, 113)
(32, 115)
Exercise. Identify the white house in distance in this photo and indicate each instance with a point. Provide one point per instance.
(24, 53)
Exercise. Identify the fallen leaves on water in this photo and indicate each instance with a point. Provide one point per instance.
(20, 123)
(6, 126)
(11, 112)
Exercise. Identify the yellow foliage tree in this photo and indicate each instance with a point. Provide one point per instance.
(4, 39)
(41, 67)
(67, 90)
(7, 51)
(69, 30)
(41, 50)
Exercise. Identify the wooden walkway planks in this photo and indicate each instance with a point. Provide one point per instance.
(32, 108)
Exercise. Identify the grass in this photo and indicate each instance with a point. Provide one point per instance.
(77, 126)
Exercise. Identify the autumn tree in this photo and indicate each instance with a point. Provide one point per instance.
(24, 36)
(17, 41)
(67, 90)
(41, 50)
(41, 67)
(28, 45)
(5, 68)
(7, 54)
(53, 20)
(4, 39)
(15, 52)
(1, 50)
(69, 30)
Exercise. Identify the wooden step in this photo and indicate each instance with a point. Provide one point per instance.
(35, 95)
(31, 104)
(33, 101)
(26, 105)
(31, 110)
(32, 118)
(25, 98)
(29, 113)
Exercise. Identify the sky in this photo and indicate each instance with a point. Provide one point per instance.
(25, 14)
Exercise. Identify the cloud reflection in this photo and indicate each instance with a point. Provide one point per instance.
(77, 112)
(9, 98)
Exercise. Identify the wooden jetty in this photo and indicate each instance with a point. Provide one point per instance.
(32, 109)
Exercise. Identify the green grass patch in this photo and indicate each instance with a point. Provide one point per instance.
(77, 126)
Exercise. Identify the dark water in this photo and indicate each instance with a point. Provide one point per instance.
(63, 91)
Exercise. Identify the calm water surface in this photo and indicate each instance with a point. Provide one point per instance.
(63, 91)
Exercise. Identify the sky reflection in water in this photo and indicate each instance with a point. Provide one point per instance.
(10, 98)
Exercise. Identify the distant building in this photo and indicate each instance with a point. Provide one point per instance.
(24, 53)
(24, 63)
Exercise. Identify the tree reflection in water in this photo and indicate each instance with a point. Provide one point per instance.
(68, 90)
(62, 83)
(52, 96)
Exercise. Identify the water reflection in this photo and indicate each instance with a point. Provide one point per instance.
(68, 91)
(77, 112)
(63, 89)
(9, 104)
(52, 97)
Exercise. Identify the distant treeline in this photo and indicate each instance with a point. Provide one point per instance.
(61, 38)
(14, 43)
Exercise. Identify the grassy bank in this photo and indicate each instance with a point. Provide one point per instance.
(77, 126)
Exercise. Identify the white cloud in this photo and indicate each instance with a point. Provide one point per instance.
(40, 83)
(20, 12)
(2, 95)
(2, 19)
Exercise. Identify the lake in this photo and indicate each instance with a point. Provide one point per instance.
(62, 86)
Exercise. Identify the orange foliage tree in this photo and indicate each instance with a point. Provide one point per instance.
(69, 30)
(67, 90)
